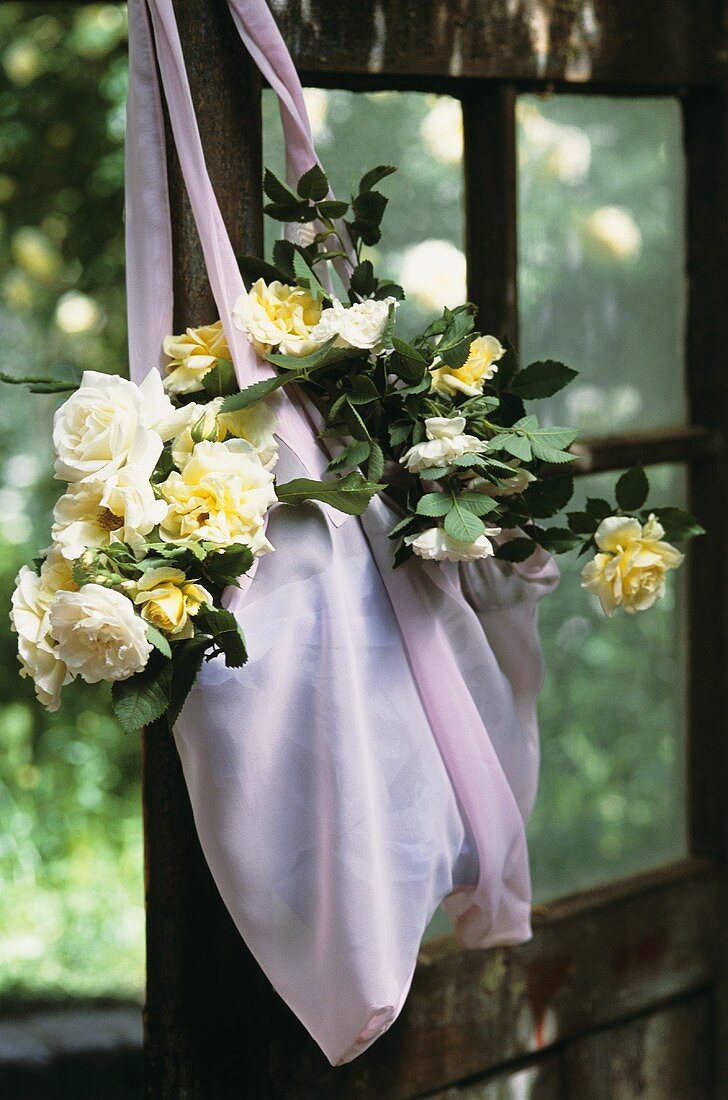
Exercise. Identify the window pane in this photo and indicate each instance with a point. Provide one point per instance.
(602, 259)
(612, 713)
(422, 233)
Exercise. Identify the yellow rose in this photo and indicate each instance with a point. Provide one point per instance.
(169, 601)
(469, 379)
(280, 316)
(221, 495)
(257, 424)
(630, 571)
(192, 355)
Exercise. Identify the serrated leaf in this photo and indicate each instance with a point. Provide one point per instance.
(679, 525)
(558, 540)
(399, 432)
(226, 633)
(252, 269)
(595, 506)
(389, 290)
(353, 454)
(434, 473)
(158, 640)
(374, 175)
(283, 253)
(462, 525)
(188, 658)
(350, 494)
(227, 567)
(363, 391)
(276, 190)
(517, 445)
(362, 281)
(369, 207)
(333, 208)
(313, 184)
(550, 454)
(144, 697)
(456, 356)
(251, 395)
(290, 212)
(547, 497)
(221, 380)
(402, 528)
(542, 379)
(434, 504)
(375, 467)
(480, 504)
(632, 489)
(515, 550)
(306, 277)
(582, 523)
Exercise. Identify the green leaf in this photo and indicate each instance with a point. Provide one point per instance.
(375, 467)
(221, 380)
(514, 550)
(322, 356)
(547, 497)
(290, 212)
(557, 539)
(332, 208)
(517, 445)
(252, 269)
(352, 455)
(582, 523)
(306, 277)
(374, 175)
(595, 506)
(462, 525)
(480, 504)
(363, 391)
(389, 290)
(188, 659)
(145, 696)
(283, 253)
(350, 494)
(632, 489)
(313, 184)
(369, 207)
(276, 190)
(434, 504)
(679, 525)
(226, 633)
(362, 281)
(402, 528)
(158, 640)
(257, 392)
(435, 473)
(224, 568)
(542, 379)
(399, 432)
(407, 362)
(455, 357)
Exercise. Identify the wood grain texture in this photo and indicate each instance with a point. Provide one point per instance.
(652, 42)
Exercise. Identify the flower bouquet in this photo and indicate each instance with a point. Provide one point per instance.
(168, 484)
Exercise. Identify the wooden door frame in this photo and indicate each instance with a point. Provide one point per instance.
(214, 1028)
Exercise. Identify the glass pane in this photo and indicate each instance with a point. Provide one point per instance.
(601, 236)
(423, 230)
(611, 798)
(71, 916)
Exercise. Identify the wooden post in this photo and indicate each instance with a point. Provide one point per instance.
(208, 1005)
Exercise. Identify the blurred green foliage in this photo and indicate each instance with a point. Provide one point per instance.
(71, 916)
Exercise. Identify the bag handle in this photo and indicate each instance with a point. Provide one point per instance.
(148, 232)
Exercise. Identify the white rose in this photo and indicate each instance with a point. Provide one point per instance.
(204, 420)
(359, 326)
(446, 440)
(436, 545)
(108, 421)
(29, 618)
(121, 509)
(222, 495)
(98, 634)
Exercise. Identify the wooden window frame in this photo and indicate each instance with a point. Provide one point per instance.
(214, 1027)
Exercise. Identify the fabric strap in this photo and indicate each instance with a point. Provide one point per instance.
(148, 232)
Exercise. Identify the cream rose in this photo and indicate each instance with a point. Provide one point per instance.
(169, 601)
(446, 440)
(221, 495)
(98, 635)
(436, 545)
(123, 508)
(256, 424)
(359, 326)
(202, 424)
(470, 379)
(630, 570)
(107, 422)
(193, 355)
(275, 315)
(29, 617)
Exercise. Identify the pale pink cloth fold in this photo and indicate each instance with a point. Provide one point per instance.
(378, 754)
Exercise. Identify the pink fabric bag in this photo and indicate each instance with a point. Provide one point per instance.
(378, 754)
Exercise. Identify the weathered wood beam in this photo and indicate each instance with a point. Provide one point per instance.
(646, 43)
